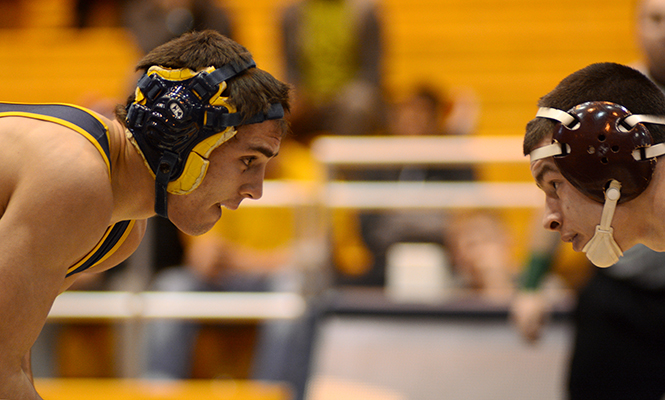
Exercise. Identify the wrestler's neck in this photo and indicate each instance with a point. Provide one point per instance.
(645, 215)
(133, 185)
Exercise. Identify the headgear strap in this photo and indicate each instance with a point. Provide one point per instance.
(597, 142)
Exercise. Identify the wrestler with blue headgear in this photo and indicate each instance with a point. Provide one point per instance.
(76, 187)
(178, 117)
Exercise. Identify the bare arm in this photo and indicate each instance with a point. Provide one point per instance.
(47, 225)
(529, 312)
(25, 300)
(530, 308)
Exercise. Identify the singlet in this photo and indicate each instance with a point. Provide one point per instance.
(93, 129)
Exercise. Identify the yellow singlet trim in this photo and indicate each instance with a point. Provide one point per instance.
(100, 243)
(67, 124)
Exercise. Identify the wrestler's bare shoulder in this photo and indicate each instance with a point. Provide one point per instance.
(42, 159)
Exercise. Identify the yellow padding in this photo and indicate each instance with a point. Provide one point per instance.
(195, 169)
(180, 74)
(197, 163)
(207, 146)
(139, 98)
(218, 100)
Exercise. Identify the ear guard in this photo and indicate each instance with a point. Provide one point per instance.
(597, 142)
(178, 118)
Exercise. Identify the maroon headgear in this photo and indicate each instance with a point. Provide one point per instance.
(597, 142)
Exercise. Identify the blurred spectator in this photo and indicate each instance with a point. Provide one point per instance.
(153, 22)
(481, 251)
(424, 112)
(150, 24)
(429, 110)
(333, 51)
(12, 14)
(89, 13)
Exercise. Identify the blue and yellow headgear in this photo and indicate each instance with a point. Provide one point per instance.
(178, 118)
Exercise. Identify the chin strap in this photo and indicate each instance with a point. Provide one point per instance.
(602, 250)
(162, 178)
(612, 195)
(566, 119)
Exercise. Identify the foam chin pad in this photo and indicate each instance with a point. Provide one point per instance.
(195, 170)
(197, 163)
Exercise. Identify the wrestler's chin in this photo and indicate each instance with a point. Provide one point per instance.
(198, 226)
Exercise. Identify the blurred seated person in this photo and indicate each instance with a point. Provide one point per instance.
(251, 249)
(426, 111)
(153, 22)
(481, 255)
(95, 13)
(13, 14)
(333, 54)
(150, 23)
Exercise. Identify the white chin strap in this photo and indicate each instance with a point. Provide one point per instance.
(602, 250)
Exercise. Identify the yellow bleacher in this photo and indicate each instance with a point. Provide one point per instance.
(510, 52)
(112, 389)
(65, 65)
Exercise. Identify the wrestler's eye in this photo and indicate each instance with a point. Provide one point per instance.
(552, 186)
(248, 161)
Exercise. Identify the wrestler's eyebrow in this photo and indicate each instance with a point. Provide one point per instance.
(541, 174)
(264, 150)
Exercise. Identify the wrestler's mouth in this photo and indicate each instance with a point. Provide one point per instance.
(230, 206)
(570, 238)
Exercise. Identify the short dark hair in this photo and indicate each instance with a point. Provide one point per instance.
(251, 92)
(611, 82)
